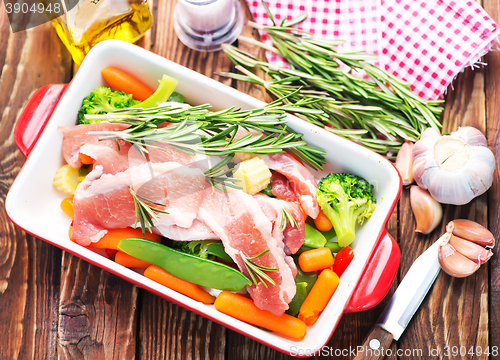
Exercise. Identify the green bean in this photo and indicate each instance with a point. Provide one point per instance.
(188, 267)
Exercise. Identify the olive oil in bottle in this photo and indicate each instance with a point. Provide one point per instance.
(92, 21)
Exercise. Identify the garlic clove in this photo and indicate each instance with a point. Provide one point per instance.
(472, 231)
(404, 162)
(455, 264)
(470, 250)
(427, 211)
(423, 154)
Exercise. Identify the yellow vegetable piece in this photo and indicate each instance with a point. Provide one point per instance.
(254, 175)
(67, 207)
(65, 179)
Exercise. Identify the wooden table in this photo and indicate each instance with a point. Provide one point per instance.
(53, 305)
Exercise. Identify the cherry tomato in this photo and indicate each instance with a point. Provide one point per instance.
(342, 260)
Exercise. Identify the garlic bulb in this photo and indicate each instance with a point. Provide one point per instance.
(404, 162)
(427, 211)
(462, 256)
(454, 168)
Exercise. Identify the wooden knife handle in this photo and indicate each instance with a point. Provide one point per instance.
(375, 344)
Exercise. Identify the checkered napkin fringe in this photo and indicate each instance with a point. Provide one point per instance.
(426, 43)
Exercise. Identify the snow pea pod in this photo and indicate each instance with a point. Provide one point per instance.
(304, 283)
(217, 249)
(333, 246)
(298, 299)
(191, 268)
(313, 238)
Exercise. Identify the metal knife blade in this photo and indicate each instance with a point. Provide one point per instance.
(411, 292)
(404, 303)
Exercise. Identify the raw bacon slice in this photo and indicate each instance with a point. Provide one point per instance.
(161, 152)
(300, 178)
(237, 219)
(104, 201)
(281, 188)
(293, 236)
(75, 137)
(197, 231)
(110, 160)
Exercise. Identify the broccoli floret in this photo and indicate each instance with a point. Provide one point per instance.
(103, 100)
(197, 247)
(202, 248)
(345, 199)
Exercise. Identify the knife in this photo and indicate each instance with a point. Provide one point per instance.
(404, 303)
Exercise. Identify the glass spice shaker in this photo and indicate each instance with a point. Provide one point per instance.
(204, 25)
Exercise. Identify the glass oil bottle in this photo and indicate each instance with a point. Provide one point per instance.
(90, 21)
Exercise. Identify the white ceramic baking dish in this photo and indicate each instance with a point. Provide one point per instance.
(34, 204)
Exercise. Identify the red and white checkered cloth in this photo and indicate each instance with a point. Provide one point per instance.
(425, 42)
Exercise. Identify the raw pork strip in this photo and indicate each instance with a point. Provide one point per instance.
(292, 237)
(197, 231)
(300, 178)
(110, 159)
(281, 188)
(75, 137)
(239, 222)
(104, 201)
(161, 152)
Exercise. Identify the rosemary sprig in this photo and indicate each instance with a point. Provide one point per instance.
(257, 271)
(216, 176)
(197, 130)
(284, 217)
(145, 214)
(379, 114)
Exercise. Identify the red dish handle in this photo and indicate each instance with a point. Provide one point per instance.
(35, 115)
(378, 275)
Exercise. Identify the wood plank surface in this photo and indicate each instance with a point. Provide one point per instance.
(56, 306)
(29, 269)
(492, 99)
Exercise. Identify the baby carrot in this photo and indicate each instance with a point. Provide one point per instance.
(243, 308)
(316, 259)
(113, 237)
(67, 207)
(122, 81)
(85, 159)
(318, 297)
(184, 287)
(322, 222)
(130, 261)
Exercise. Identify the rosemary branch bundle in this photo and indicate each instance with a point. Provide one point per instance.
(379, 114)
(198, 130)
